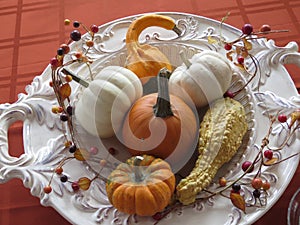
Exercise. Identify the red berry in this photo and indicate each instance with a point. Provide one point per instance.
(257, 183)
(112, 151)
(246, 165)
(54, 62)
(247, 29)
(75, 186)
(157, 216)
(265, 28)
(282, 118)
(78, 55)
(240, 59)
(94, 150)
(228, 46)
(229, 94)
(47, 189)
(94, 28)
(66, 48)
(268, 154)
(266, 185)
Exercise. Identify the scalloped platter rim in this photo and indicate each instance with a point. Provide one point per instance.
(92, 207)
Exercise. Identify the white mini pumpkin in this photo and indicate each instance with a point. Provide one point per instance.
(202, 79)
(105, 102)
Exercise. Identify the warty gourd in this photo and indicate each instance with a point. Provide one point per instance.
(221, 133)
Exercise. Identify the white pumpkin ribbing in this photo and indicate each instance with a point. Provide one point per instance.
(205, 80)
(104, 104)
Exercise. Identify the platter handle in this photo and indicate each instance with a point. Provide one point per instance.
(33, 109)
(9, 114)
(291, 57)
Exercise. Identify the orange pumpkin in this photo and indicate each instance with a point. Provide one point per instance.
(143, 185)
(161, 125)
(143, 59)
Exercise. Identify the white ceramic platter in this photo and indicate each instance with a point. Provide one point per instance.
(43, 145)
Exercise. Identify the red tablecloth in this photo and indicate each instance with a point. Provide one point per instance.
(31, 30)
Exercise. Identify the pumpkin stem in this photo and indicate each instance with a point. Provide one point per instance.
(137, 171)
(75, 77)
(162, 108)
(177, 30)
(186, 62)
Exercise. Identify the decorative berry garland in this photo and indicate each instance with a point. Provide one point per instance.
(237, 51)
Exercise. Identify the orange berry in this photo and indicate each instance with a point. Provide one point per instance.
(60, 109)
(222, 181)
(59, 170)
(103, 162)
(265, 28)
(55, 109)
(78, 55)
(257, 183)
(68, 144)
(266, 185)
(47, 189)
(68, 78)
(90, 43)
(67, 22)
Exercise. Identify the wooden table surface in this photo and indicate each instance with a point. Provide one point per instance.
(31, 30)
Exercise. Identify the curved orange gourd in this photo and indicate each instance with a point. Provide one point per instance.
(143, 59)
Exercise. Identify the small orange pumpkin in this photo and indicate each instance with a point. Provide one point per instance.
(161, 125)
(143, 185)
